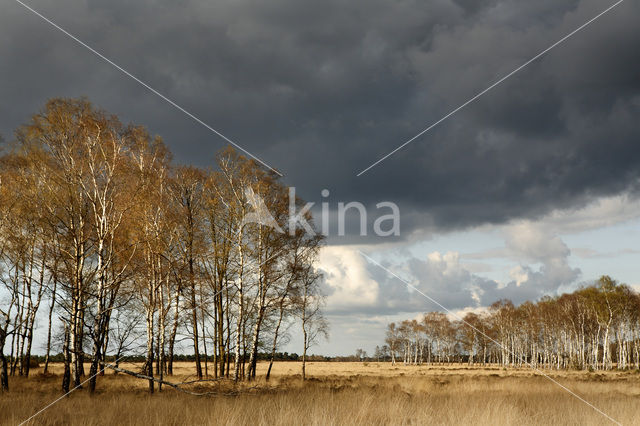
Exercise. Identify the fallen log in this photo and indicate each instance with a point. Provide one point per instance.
(176, 386)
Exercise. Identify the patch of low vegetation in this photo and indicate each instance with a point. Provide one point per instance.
(333, 394)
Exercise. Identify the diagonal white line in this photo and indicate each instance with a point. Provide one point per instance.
(57, 400)
(492, 86)
(151, 89)
(488, 337)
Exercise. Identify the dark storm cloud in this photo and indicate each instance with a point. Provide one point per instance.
(320, 90)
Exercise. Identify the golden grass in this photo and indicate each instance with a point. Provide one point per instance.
(340, 393)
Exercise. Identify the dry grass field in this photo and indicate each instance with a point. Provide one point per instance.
(339, 393)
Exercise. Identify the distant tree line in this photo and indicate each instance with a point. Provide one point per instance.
(596, 327)
(105, 237)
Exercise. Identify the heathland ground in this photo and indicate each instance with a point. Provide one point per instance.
(338, 393)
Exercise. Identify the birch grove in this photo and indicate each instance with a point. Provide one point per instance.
(122, 252)
(596, 327)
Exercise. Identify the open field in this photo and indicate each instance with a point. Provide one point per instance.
(340, 393)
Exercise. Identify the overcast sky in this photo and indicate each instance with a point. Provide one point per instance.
(530, 190)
